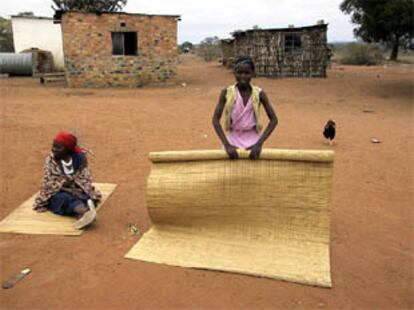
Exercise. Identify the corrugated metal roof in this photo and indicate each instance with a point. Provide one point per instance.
(293, 29)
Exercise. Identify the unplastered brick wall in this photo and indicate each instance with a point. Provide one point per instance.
(89, 59)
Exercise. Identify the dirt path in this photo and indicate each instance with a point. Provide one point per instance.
(372, 240)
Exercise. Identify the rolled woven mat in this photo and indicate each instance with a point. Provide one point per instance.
(268, 217)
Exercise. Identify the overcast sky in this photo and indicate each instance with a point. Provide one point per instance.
(201, 19)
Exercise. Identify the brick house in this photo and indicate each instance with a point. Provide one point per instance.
(118, 49)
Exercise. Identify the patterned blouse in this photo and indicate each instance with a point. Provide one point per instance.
(55, 180)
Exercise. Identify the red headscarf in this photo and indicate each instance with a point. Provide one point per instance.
(70, 141)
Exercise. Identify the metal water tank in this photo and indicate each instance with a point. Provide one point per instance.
(16, 64)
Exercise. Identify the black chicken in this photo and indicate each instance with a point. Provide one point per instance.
(329, 131)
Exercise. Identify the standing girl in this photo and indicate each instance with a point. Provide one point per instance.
(243, 121)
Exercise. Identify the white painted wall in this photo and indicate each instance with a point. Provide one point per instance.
(39, 33)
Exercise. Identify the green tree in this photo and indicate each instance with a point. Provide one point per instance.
(209, 48)
(6, 35)
(89, 5)
(25, 14)
(387, 21)
(236, 32)
(186, 46)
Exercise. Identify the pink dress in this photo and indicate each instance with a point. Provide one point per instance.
(243, 132)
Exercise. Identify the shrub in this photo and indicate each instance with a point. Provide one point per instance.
(362, 54)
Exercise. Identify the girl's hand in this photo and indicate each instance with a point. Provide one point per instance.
(232, 151)
(255, 151)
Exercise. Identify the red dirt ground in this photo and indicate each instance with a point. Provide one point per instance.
(372, 236)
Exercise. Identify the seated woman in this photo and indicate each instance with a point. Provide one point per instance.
(67, 183)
